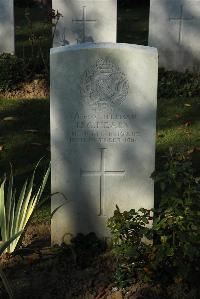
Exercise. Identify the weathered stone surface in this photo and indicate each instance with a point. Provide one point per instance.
(7, 40)
(103, 122)
(174, 30)
(100, 23)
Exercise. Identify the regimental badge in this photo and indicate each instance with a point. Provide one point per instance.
(104, 84)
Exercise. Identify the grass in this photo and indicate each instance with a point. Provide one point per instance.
(24, 139)
(25, 130)
(25, 135)
(178, 124)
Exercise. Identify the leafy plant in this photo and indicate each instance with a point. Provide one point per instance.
(4, 245)
(14, 215)
(176, 224)
(173, 255)
(173, 84)
(11, 71)
(128, 231)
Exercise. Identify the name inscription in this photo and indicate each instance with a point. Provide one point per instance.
(102, 128)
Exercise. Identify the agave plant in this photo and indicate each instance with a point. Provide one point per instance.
(14, 214)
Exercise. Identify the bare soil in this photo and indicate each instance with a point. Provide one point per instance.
(83, 270)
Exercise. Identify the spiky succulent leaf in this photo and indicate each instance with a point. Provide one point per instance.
(14, 217)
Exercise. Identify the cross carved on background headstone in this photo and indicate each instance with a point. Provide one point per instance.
(181, 19)
(84, 21)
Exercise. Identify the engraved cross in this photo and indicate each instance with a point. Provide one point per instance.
(84, 21)
(181, 19)
(102, 173)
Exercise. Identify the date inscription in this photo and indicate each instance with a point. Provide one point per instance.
(102, 128)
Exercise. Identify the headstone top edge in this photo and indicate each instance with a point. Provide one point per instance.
(94, 0)
(88, 46)
(180, 1)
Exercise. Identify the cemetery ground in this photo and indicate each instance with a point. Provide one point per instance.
(89, 269)
(86, 268)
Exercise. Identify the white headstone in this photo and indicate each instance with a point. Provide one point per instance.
(7, 37)
(85, 21)
(175, 30)
(103, 123)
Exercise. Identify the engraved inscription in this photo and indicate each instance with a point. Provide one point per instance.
(103, 87)
(102, 173)
(103, 84)
(102, 128)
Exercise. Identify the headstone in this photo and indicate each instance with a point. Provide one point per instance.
(174, 30)
(7, 42)
(85, 21)
(103, 123)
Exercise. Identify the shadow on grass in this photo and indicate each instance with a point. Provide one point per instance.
(174, 112)
(24, 137)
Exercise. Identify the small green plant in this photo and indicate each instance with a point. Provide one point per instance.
(11, 72)
(14, 215)
(173, 254)
(131, 235)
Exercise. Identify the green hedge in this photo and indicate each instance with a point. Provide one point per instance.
(12, 72)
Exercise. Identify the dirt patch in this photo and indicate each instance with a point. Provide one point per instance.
(40, 232)
(84, 270)
(37, 89)
(37, 270)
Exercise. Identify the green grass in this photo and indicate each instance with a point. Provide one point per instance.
(178, 124)
(24, 132)
(42, 214)
(24, 138)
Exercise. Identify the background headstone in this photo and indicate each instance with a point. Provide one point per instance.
(7, 34)
(103, 123)
(85, 21)
(175, 30)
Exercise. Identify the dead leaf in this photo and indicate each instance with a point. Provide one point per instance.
(160, 135)
(187, 105)
(32, 131)
(188, 123)
(10, 118)
(1, 147)
(191, 151)
(32, 259)
(195, 150)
